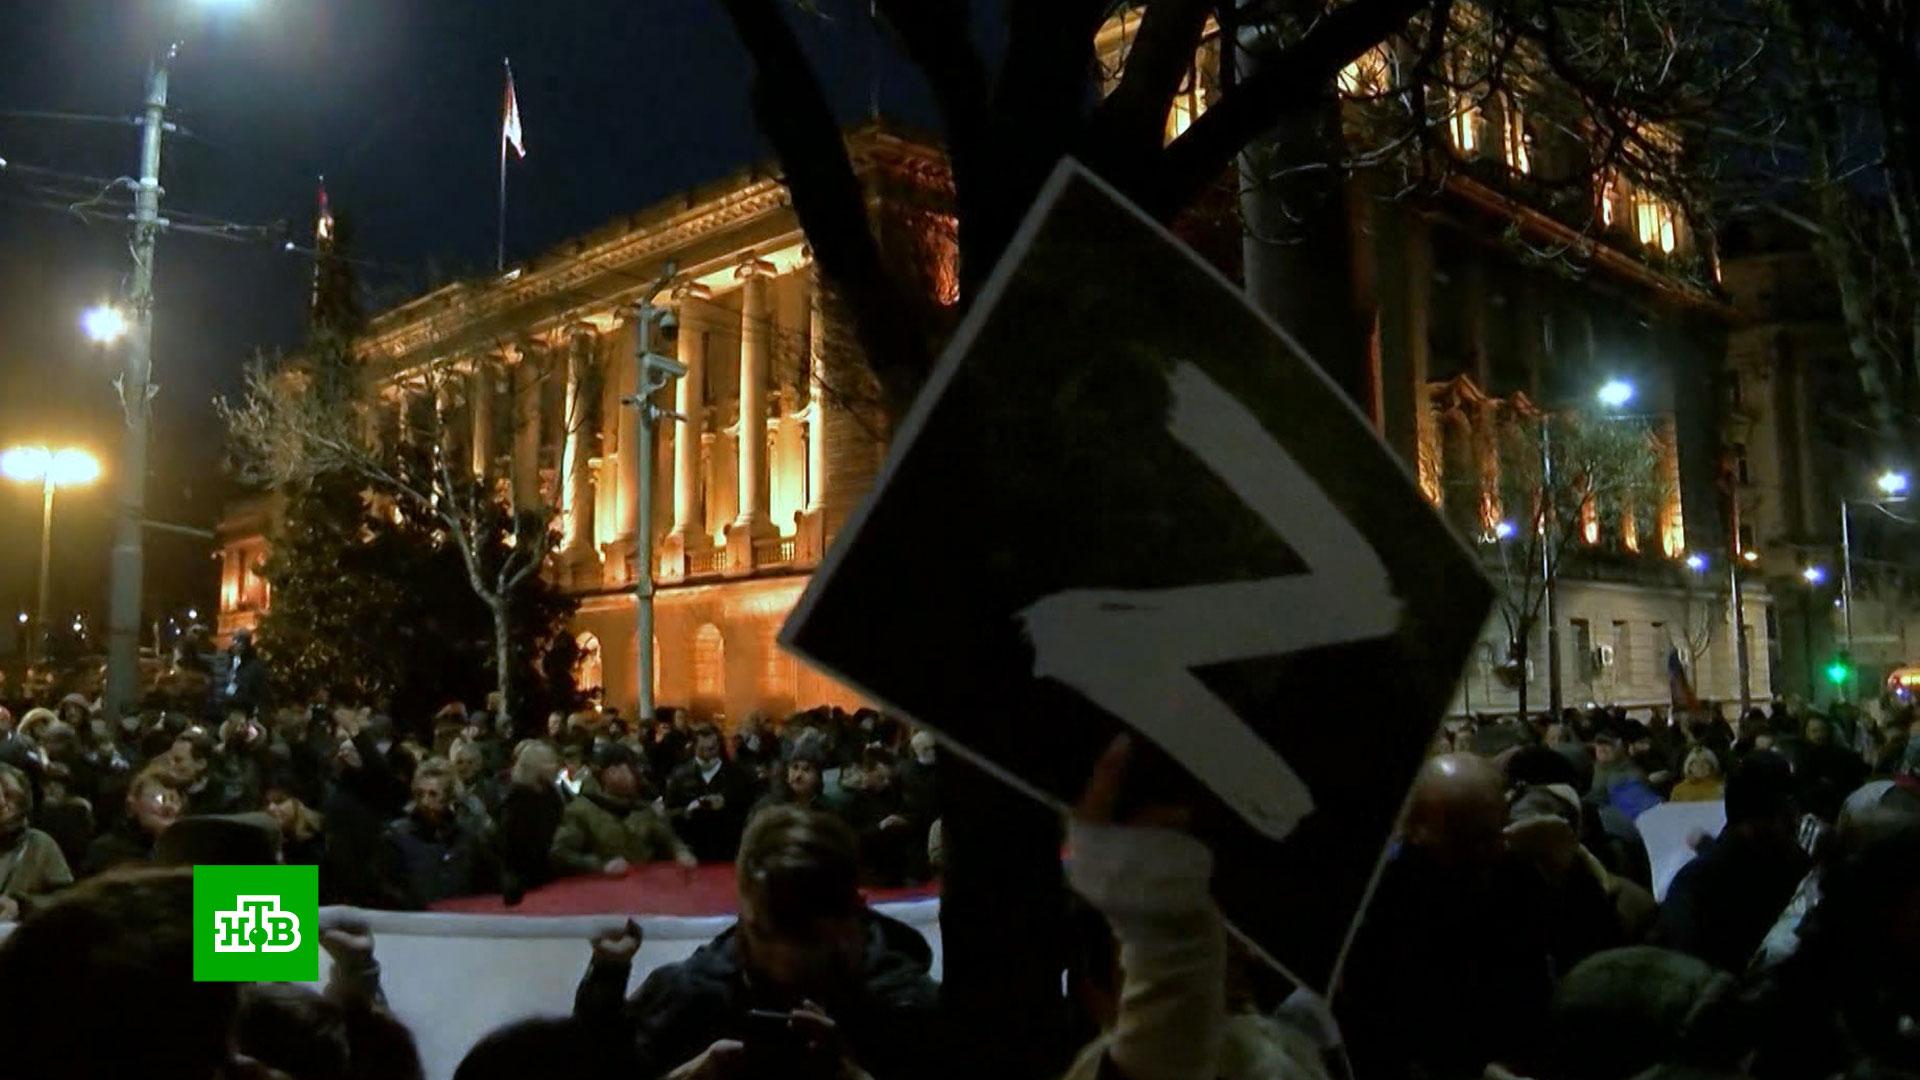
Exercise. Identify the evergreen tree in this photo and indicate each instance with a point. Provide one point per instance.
(378, 605)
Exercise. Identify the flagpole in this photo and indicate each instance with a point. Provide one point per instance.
(500, 235)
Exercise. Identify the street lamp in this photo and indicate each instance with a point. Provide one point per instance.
(1814, 575)
(50, 469)
(1893, 486)
(1615, 393)
(104, 324)
(1697, 563)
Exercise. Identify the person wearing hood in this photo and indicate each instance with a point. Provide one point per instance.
(612, 826)
(30, 861)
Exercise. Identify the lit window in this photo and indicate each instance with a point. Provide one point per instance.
(1607, 195)
(589, 672)
(1463, 125)
(1366, 76)
(1589, 522)
(1654, 221)
(1513, 142)
(1188, 103)
(709, 662)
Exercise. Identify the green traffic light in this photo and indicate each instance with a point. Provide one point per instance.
(1839, 672)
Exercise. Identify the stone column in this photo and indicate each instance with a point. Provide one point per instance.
(819, 398)
(576, 474)
(527, 384)
(689, 394)
(811, 534)
(756, 349)
(480, 408)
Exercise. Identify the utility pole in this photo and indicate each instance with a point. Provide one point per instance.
(136, 397)
(1846, 589)
(43, 602)
(1549, 573)
(1741, 659)
(654, 372)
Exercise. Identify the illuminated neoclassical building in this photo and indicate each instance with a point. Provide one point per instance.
(1503, 269)
(781, 434)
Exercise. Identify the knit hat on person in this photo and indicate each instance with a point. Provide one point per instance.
(219, 840)
(1541, 765)
(612, 754)
(1761, 786)
(1621, 1012)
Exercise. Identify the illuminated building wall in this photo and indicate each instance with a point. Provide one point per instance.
(782, 431)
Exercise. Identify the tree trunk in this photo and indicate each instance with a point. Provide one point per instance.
(501, 606)
(1520, 654)
(1299, 239)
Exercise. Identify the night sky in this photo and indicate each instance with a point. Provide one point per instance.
(397, 102)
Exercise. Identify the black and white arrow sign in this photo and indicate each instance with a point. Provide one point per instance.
(1126, 500)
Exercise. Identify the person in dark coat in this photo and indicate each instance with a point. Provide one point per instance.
(1454, 963)
(364, 796)
(529, 816)
(708, 798)
(152, 807)
(1721, 904)
(303, 837)
(806, 947)
(431, 853)
(243, 686)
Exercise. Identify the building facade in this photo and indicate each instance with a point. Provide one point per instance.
(1789, 371)
(778, 431)
(1481, 298)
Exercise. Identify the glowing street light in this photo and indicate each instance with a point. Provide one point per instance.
(1615, 393)
(104, 324)
(1814, 575)
(1503, 531)
(1697, 563)
(1892, 484)
(52, 470)
(1750, 555)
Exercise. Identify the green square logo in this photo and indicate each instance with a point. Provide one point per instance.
(256, 924)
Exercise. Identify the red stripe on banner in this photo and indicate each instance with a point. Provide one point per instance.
(654, 889)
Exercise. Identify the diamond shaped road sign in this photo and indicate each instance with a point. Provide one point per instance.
(1126, 500)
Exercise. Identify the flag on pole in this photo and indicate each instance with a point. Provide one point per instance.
(1679, 686)
(510, 131)
(323, 223)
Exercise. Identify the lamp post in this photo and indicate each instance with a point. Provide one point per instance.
(52, 470)
(1893, 488)
(653, 372)
(126, 572)
(1613, 395)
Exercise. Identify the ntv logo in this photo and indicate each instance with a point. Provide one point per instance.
(256, 924)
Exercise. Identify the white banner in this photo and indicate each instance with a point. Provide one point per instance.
(453, 978)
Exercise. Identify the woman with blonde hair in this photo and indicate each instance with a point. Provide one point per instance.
(153, 805)
(1703, 782)
(303, 838)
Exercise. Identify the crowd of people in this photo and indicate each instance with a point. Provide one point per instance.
(1513, 931)
(399, 814)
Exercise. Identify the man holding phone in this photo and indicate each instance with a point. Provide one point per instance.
(808, 983)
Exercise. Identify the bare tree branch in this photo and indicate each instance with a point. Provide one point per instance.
(793, 112)
(1132, 122)
(1299, 75)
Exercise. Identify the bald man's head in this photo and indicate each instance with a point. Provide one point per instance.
(1458, 810)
